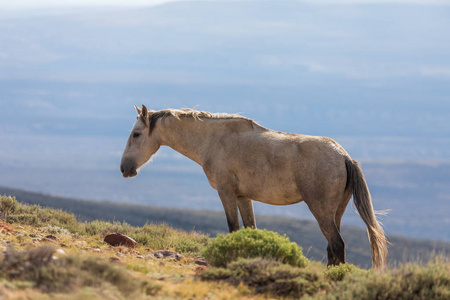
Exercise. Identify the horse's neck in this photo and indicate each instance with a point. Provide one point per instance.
(186, 136)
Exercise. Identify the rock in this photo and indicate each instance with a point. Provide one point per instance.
(50, 238)
(114, 259)
(117, 239)
(140, 257)
(97, 250)
(201, 261)
(60, 251)
(165, 254)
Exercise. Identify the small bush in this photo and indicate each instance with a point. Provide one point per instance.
(8, 205)
(337, 273)
(270, 276)
(250, 242)
(189, 245)
(103, 228)
(24, 219)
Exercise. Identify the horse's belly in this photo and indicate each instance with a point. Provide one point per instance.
(277, 200)
(275, 193)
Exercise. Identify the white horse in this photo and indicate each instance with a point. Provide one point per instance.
(244, 161)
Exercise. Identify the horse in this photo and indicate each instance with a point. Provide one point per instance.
(247, 162)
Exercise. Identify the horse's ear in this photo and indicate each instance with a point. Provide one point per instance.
(137, 109)
(144, 111)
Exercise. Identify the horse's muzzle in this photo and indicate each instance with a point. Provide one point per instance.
(128, 168)
(128, 173)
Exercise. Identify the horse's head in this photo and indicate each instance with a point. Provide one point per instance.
(142, 144)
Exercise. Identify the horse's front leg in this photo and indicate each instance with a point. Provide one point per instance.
(229, 202)
(247, 214)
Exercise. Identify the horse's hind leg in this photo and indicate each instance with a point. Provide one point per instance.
(246, 209)
(336, 245)
(341, 209)
(326, 219)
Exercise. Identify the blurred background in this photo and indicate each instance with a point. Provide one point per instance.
(373, 75)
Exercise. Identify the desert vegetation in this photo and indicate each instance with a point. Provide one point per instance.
(49, 254)
(251, 243)
(303, 232)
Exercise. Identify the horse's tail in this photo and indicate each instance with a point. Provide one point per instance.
(363, 203)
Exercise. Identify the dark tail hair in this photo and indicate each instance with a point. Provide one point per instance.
(363, 203)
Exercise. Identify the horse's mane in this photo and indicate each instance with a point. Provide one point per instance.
(194, 114)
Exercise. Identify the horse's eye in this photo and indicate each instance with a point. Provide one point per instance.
(136, 134)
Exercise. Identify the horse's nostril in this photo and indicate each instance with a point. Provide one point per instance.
(122, 169)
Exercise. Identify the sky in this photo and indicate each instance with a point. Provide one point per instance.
(24, 4)
(33, 4)
(373, 75)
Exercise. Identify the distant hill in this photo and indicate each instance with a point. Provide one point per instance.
(306, 233)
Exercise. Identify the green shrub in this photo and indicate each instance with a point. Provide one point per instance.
(103, 228)
(250, 242)
(189, 245)
(24, 219)
(337, 273)
(8, 205)
(270, 276)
